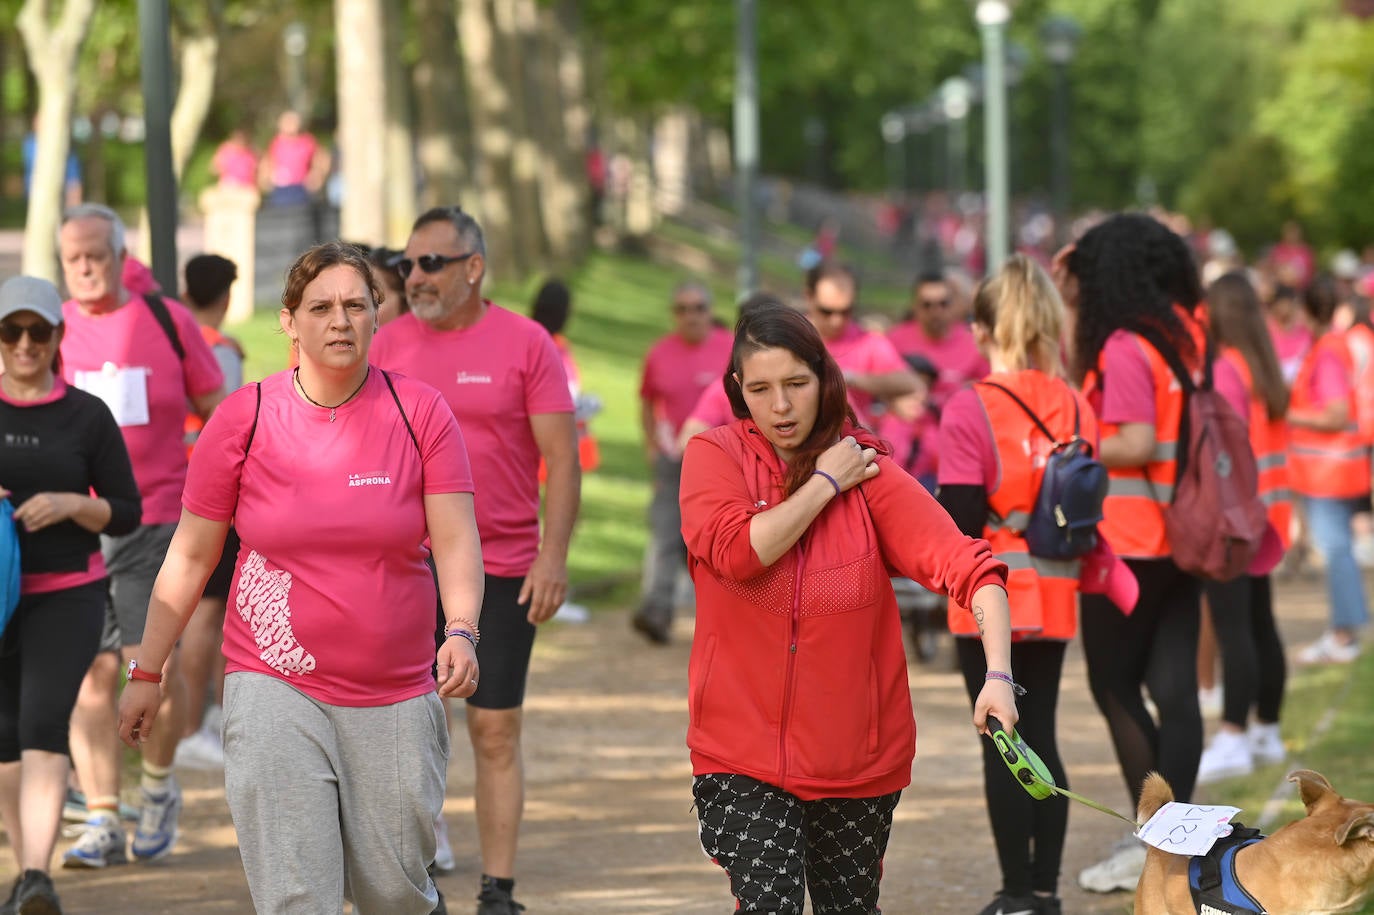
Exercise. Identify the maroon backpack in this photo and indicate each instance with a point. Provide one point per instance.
(1216, 521)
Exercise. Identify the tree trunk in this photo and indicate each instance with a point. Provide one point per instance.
(443, 144)
(671, 161)
(52, 48)
(563, 88)
(361, 81)
(516, 28)
(490, 105)
(400, 137)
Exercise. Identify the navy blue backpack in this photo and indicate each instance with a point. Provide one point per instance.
(1063, 522)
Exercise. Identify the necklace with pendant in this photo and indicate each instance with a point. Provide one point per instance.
(296, 376)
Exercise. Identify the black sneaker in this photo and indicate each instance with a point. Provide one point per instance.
(493, 900)
(1011, 905)
(35, 895)
(1049, 905)
(441, 908)
(7, 907)
(656, 630)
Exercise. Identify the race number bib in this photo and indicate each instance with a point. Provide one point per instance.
(124, 391)
(1187, 829)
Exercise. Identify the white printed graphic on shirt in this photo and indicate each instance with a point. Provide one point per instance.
(264, 604)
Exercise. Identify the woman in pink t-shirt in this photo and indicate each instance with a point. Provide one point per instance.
(341, 481)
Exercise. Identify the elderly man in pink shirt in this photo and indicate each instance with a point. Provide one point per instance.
(873, 369)
(678, 368)
(932, 331)
(503, 378)
(145, 357)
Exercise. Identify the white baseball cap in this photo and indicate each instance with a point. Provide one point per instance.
(30, 293)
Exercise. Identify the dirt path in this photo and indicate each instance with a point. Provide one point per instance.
(608, 827)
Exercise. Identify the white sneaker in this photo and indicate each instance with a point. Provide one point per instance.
(1329, 650)
(443, 851)
(1120, 871)
(1209, 701)
(571, 613)
(1266, 744)
(202, 750)
(1228, 756)
(213, 721)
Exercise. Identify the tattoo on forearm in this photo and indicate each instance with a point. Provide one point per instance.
(978, 618)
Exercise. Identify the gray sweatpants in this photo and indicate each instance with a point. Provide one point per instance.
(667, 552)
(330, 801)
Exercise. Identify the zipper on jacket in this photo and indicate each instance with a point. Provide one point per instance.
(794, 622)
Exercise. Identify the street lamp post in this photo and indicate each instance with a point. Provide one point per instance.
(1060, 35)
(992, 16)
(747, 142)
(154, 31)
(894, 135)
(956, 97)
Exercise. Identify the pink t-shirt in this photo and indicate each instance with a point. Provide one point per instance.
(1329, 381)
(331, 592)
(921, 436)
(1129, 395)
(968, 454)
(1290, 345)
(677, 372)
(494, 375)
(1229, 383)
(713, 407)
(125, 358)
(236, 164)
(856, 350)
(290, 158)
(956, 356)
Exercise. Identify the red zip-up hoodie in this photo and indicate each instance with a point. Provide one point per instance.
(798, 671)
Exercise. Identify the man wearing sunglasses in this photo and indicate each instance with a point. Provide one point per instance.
(934, 331)
(873, 369)
(503, 377)
(678, 368)
(119, 347)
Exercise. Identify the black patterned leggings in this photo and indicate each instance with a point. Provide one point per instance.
(775, 847)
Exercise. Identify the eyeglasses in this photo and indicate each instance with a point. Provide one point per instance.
(40, 332)
(429, 263)
(689, 308)
(834, 312)
(934, 303)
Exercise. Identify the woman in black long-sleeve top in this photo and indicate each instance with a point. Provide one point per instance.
(64, 467)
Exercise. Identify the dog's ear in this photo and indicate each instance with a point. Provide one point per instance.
(1312, 785)
(1357, 827)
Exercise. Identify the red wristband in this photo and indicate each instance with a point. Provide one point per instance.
(136, 673)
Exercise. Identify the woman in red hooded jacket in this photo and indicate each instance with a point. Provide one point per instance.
(801, 729)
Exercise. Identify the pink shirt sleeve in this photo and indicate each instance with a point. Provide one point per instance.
(442, 451)
(883, 356)
(1229, 384)
(1329, 381)
(968, 456)
(546, 388)
(212, 480)
(1128, 394)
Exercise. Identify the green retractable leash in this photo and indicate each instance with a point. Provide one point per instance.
(1028, 769)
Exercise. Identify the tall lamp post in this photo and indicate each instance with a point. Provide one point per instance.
(747, 142)
(1060, 35)
(992, 17)
(894, 135)
(956, 97)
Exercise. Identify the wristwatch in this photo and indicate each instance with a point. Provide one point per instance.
(135, 673)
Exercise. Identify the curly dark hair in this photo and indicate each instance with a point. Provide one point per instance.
(1131, 272)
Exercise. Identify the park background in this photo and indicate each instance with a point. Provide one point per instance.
(1238, 115)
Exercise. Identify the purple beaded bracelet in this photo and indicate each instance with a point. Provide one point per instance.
(1016, 688)
(462, 634)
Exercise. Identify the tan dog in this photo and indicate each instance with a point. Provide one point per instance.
(1322, 863)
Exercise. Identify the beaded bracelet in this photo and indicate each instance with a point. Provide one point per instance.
(462, 622)
(1016, 688)
(463, 634)
(833, 482)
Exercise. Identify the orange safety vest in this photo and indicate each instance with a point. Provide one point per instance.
(1133, 515)
(1269, 439)
(193, 425)
(1328, 465)
(1360, 341)
(1043, 593)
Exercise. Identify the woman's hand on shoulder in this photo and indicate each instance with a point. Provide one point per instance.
(848, 463)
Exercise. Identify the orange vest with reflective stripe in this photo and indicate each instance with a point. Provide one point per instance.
(1043, 593)
(1330, 465)
(1359, 340)
(1269, 439)
(1133, 515)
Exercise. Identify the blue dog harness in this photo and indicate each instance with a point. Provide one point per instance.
(1212, 877)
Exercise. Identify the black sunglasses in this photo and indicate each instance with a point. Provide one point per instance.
(40, 332)
(835, 312)
(429, 263)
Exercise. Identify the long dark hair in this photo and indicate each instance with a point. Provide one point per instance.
(1131, 271)
(766, 323)
(1237, 320)
(1321, 299)
(552, 305)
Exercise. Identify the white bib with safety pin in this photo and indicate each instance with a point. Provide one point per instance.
(1187, 829)
(124, 391)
